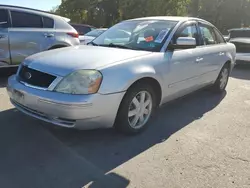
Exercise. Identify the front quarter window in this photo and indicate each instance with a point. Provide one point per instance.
(148, 35)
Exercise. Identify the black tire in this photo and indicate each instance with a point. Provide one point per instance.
(217, 87)
(122, 120)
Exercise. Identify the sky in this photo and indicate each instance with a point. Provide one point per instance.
(37, 4)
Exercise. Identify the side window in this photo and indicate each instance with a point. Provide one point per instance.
(3, 18)
(207, 35)
(219, 37)
(25, 20)
(48, 22)
(82, 30)
(188, 31)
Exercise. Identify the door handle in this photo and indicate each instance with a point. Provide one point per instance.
(199, 60)
(221, 53)
(48, 35)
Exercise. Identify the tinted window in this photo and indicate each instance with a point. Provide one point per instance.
(95, 33)
(27, 20)
(48, 22)
(81, 29)
(208, 35)
(188, 31)
(240, 33)
(219, 37)
(3, 17)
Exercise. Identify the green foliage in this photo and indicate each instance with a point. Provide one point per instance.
(107, 12)
(224, 14)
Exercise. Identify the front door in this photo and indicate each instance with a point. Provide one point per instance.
(184, 64)
(26, 35)
(4, 38)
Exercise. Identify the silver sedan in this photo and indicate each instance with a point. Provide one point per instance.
(120, 82)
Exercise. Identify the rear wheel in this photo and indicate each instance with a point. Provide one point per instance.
(136, 109)
(222, 80)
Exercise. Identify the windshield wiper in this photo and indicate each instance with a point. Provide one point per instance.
(117, 46)
(94, 44)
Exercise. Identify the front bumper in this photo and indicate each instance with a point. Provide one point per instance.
(243, 57)
(72, 111)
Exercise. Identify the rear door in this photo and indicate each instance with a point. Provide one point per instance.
(26, 35)
(213, 50)
(4, 38)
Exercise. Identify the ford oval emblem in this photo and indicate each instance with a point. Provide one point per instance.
(28, 75)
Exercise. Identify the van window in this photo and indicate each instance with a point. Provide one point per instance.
(25, 20)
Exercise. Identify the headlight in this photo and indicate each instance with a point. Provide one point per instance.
(80, 82)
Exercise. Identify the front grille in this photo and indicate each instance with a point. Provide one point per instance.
(35, 78)
(242, 47)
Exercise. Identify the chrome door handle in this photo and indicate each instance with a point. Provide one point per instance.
(221, 53)
(199, 60)
(48, 35)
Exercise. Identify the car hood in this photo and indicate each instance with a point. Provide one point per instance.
(66, 60)
(240, 40)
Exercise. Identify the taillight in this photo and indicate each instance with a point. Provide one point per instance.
(75, 35)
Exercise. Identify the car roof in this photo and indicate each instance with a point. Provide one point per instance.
(86, 25)
(35, 10)
(240, 29)
(26, 8)
(173, 18)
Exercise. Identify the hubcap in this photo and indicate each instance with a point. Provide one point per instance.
(140, 110)
(224, 78)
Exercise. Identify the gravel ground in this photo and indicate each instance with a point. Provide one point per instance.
(200, 141)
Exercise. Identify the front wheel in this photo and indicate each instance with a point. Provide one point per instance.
(136, 109)
(222, 80)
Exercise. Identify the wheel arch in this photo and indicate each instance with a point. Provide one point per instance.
(152, 82)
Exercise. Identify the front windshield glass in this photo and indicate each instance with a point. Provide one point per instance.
(95, 33)
(240, 33)
(146, 35)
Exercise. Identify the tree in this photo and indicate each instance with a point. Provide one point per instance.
(224, 14)
(108, 12)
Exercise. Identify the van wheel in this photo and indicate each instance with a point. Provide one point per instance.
(136, 109)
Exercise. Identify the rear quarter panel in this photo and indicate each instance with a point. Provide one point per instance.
(61, 36)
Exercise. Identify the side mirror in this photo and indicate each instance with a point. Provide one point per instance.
(184, 43)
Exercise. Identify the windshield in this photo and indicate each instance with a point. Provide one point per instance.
(240, 33)
(146, 35)
(95, 33)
